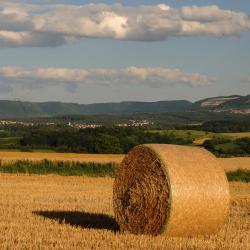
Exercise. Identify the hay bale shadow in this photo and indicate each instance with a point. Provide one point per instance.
(81, 219)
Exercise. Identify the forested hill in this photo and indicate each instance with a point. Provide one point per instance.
(30, 109)
(19, 109)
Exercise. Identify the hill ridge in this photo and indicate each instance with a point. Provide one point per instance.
(24, 109)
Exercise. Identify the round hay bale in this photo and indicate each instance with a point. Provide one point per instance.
(176, 190)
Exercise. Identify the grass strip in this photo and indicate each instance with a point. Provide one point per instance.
(60, 168)
(239, 175)
(92, 169)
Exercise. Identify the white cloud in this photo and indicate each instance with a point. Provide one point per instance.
(153, 77)
(57, 24)
(163, 6)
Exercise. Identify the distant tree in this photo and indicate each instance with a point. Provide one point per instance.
(107, 144)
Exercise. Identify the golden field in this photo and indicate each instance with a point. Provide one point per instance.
(201, 136)
(54, 212)
(237, 135)
(6, 156)
(234, 163)
(230, 164)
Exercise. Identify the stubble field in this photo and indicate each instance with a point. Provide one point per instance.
(234, 163)
(55, 212)
(8, 156)
(230, 164)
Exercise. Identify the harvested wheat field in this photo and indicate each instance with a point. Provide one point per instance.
(230, 164)
(53, 212)
(6, 156)
(234, 163)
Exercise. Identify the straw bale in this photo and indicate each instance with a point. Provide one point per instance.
(170, 189)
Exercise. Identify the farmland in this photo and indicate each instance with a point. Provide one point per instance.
(229, 164)
(234, 163)
(120, 140)
(8, 142)
(7, 156)
(40, 212)
(41, 208)
(200, 136)
(124, 125)
(220, 144)
(237, 135)
(65, 168)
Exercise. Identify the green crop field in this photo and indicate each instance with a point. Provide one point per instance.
(9, 142)
(194, 134)
(68, 168)
(236, 135)
(199, 136)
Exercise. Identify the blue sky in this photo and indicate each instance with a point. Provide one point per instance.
(141, 68)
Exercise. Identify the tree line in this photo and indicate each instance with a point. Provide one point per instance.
(99, 140)
(224, 147)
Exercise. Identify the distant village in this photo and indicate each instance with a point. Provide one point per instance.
(130, 123)
(20, 123)
(77, 125)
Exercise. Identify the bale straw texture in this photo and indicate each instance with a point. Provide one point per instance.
(176, 190)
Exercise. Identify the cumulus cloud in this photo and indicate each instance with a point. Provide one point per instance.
(57, 24)
(70, 78)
